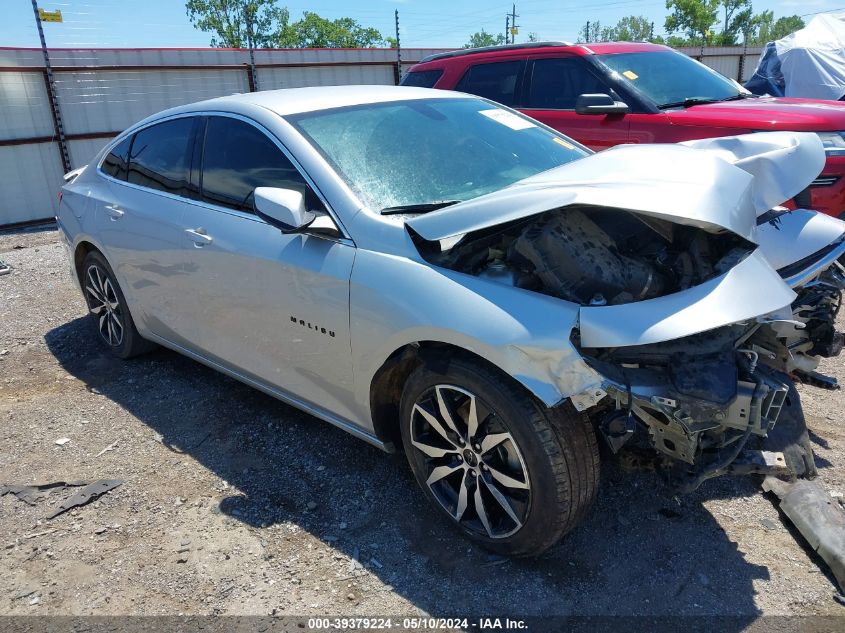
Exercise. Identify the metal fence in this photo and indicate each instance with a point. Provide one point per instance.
(736, 62)
(100, 92)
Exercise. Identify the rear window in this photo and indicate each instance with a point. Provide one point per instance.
(422, 78)
(498, 81)
(161, 156)
(117, 161)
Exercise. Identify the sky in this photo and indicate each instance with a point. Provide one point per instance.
(423, 23)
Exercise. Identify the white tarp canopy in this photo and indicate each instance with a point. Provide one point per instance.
(812, 59)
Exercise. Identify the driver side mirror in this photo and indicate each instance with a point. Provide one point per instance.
(599, 104)
(283, 208)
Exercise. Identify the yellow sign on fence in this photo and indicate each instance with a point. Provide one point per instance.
(50, 16)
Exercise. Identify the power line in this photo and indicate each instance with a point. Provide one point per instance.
(825, 11)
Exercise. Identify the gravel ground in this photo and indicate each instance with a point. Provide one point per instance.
(234, 503)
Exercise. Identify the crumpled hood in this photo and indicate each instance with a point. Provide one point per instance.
(704, 307)
(796, 235)
(782, 163)
(708, 184)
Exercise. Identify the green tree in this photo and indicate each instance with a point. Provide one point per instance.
(738, 19)
(676, 42)
(591, 32)
(693, 18)
(767, 29)
(314, 31)
(724, 23)
(786, 25)
(265, 24)
(483, 38)
(238, 23)
(631, 28)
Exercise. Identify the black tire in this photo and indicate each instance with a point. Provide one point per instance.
(555, 452)
(112, 321)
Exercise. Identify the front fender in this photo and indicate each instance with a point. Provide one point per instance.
(395, 301)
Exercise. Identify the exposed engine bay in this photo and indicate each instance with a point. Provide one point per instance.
(595, 256)
(699, 402)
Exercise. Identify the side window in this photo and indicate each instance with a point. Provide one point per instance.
(498, 81)
(117, 161)
(237, 158)
(422, 78)
(556, 83)
(161, 156)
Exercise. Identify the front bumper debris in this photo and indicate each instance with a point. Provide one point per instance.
(819, 518)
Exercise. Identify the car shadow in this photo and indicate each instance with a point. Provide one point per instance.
(640, 551)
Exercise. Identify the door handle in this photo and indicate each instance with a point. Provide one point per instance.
(114, 212)
(199, 237)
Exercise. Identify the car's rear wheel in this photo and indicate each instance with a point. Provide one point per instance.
(107, 305)
(510, 473)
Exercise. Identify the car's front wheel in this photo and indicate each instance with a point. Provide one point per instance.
(509, 472)
(109, 310)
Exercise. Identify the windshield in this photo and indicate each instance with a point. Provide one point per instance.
(670, 78)
(425, 153)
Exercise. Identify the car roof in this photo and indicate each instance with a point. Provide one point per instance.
(517, 51)
(607, 48)
(297, 100)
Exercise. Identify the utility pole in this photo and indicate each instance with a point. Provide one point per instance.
(514, 26)
(51, 93)
(398, 49)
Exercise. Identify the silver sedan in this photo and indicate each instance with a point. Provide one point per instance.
(434, 272)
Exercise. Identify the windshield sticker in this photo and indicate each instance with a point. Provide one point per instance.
(630, 74)
(560, 141)
(509, 119)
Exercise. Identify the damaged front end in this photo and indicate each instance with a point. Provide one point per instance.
(701, 402)
(722, 401)
(697, 307)
(812, 334)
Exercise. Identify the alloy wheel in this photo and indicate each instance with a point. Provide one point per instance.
(105, 305)
(473, 465)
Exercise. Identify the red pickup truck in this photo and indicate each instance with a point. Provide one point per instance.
(604, 94)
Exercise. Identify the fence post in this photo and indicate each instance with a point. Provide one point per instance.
(398, 74)
(51, 94)
(250, 77)
(253, 78)
(253, 74)
(741, 69)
